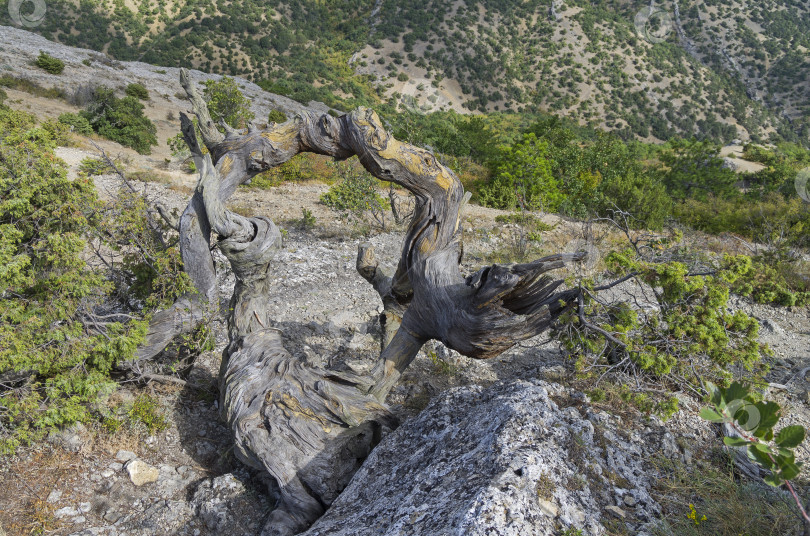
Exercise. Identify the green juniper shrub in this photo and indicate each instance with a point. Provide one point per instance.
(774, 280)
(93, 166)
(49, 290)
(121, 120)
(138, 91)
(687, 336)
(307, 220)
(226, 102)
(523, 178)
(276, 116)
(49, 63)
(60, 336)
(78, 122)
(355, 196)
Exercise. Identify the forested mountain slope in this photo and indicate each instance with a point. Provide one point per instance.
(716, 69)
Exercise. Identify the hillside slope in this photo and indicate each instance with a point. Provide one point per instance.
(698, 67)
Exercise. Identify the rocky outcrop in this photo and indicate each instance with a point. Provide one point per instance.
(88, 69)
(518, 458)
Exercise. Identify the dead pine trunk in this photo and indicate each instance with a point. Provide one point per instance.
(309, 426)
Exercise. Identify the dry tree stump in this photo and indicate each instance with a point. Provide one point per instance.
(311, 427)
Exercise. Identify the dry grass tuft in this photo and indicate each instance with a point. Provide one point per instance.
(732, 507)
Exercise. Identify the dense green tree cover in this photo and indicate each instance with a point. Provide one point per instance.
(693, 169)
(523, 178)
(121, 120)
(510, 56)
(584, 174)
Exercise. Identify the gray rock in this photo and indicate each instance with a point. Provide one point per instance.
(616, 511)
(165, 517)
(729, 163)
(501, 465)
(212, 498)
(172, 480)
(67, 511)
(772, 326)
(70, 439)
(125, 455)
(54, 496)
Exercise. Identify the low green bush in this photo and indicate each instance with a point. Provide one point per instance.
(146, 412)
(79, 123)
(687, 336)
(23, 84)
(49, 63)
(772, 279)
(355, 196)
(276, 116)
(138, 91)
(93, 166)
(121, 120)
(773, 220)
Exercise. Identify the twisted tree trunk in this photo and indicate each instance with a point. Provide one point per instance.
(309, 426)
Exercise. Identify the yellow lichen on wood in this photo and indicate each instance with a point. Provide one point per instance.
(295, 408)
(225, 165)
(282, 133)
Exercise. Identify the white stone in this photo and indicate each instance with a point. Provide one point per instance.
(141, 473)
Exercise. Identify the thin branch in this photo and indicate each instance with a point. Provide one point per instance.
(592, 327)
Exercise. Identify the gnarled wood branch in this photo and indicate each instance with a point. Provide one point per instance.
(308, 426)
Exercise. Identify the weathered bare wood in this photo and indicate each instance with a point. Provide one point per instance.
(309, 426)
(211, 136)
(393, 307)
(304, 425)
